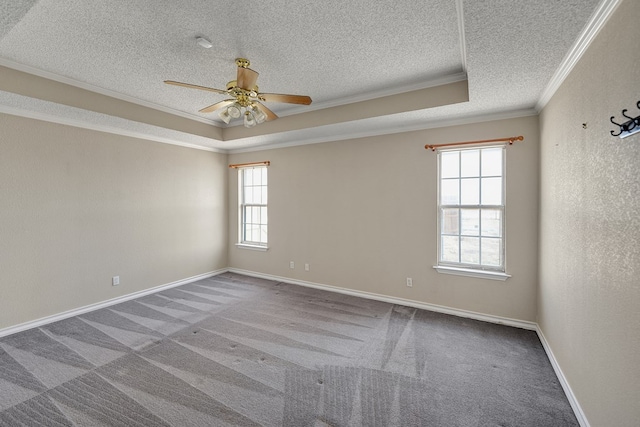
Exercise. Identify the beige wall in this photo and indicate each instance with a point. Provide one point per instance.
(362, 213)
(78, 207)
(589, 297)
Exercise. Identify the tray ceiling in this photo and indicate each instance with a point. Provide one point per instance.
(352, 53)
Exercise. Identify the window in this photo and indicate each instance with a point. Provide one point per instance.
(253, 206)
(471, 209)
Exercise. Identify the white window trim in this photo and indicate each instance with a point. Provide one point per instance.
(464, 269)
(244, 244)
(472, 272)
(252, 247)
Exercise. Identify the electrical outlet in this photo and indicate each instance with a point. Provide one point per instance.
(115, 280)
(306, 267)
(291, 264)
(409, 282)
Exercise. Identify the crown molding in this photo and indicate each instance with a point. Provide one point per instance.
(36, 115)
(593, 27)
(463, 38)
(388, 91)
(86, 86)
(438, 81)
(431, 124)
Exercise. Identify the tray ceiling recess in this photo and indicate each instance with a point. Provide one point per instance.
(370, 67)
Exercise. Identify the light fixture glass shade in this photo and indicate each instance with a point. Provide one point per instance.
(249, 119)
(259, 115)
(234, 111)
(225, 116)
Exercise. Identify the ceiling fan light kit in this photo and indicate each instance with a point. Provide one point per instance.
(246, 101)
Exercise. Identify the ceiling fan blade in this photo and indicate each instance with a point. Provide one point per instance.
(210, 89)
(289, 99)
(270, 114)
(247, 78)
(217, 105)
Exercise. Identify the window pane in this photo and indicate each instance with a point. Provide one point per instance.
(253, 192)
(450, 249)
(471, 235)
(248, 177)
(449, 221)
(491, 252)
(491, 222)
(470, 222)
(248, 196)
(257, 194)
(491, 191)
(492, 162)
(470, 250)
(470, 189)
(449, 164)
(449, 192)
(470, 163)
(256, 233)
(263, 215)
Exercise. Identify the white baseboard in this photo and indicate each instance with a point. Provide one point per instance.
(395, 300)
(577, 409)
(77, 311)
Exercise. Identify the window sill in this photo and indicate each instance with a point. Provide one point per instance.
(469, 272)
(252, 247)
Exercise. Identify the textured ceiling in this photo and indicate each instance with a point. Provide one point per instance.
(334, 51)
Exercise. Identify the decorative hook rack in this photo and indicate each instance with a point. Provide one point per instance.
(629, 127)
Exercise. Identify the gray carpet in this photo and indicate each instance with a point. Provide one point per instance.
(239, 351)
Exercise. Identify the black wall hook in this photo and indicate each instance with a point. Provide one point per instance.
(629, 127)
(630, 118)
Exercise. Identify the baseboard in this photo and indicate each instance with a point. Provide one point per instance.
(394, 300)
(77, 311)
(577, 409)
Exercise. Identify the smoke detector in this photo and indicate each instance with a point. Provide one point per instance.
(204, 42)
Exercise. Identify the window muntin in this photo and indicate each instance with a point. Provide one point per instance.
(471, 208)
(253, 218)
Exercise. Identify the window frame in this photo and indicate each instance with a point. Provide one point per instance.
(243, 242)
(465, 268)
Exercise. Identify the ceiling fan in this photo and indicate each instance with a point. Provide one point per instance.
(246, 100)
